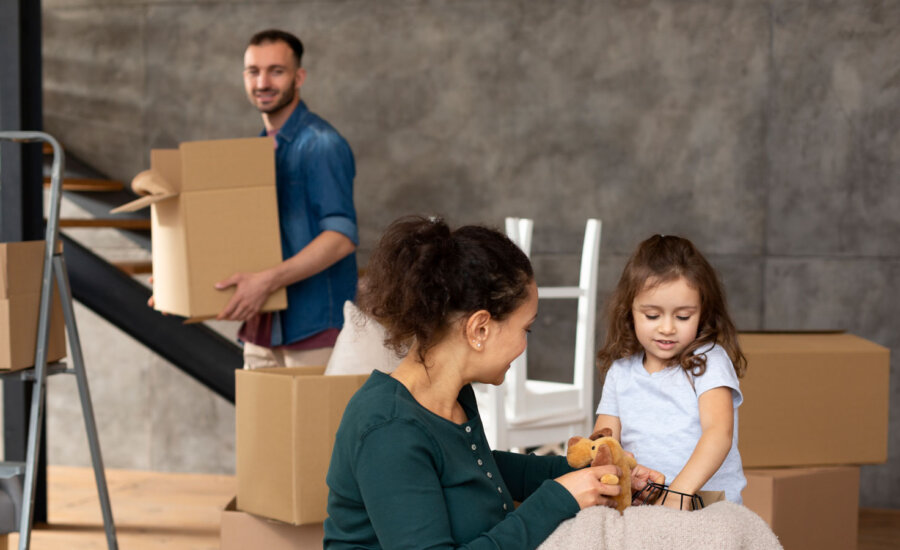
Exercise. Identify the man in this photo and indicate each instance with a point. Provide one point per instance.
(314, 171)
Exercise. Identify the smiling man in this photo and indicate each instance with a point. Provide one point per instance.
(314, 169)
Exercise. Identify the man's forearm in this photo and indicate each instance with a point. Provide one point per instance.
(328, 248)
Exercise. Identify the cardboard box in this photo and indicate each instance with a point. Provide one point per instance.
(813, 399)
(21, 273)
(807, 507)
(214, 212)
(286, 420)
(240, 531)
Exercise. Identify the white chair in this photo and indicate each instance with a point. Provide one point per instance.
(524, 413)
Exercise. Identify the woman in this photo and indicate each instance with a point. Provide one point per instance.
(411, 467)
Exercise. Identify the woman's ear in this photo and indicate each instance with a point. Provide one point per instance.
(478, 328)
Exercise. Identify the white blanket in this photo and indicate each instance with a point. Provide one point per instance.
(720, 526)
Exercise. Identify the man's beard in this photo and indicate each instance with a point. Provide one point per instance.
(284, 100)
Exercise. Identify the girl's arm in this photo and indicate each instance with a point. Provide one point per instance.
(717, 423)
(613, 423)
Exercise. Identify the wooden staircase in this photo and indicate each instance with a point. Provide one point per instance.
(82, 184)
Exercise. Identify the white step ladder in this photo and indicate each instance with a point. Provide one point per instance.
(54, 267)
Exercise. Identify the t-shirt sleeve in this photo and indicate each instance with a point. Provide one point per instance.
(330, 170)
(719, 372)
(404, 500)
(609, 401)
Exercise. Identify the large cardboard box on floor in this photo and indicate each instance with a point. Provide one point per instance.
(241, 531)
(214, 212)
(21, 273)
(813, 399)
(286, 420)
(807, 507)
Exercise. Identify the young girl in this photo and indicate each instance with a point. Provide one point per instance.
(672, 363)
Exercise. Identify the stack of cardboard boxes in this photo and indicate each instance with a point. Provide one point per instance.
(815, 409)
(21, 273)
(286, 421)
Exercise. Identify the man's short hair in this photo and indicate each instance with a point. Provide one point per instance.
(275, 35)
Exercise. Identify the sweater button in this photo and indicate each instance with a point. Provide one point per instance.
(480, 462)
(490, 475)
(474, 447)
(468, 429)
(504, 506)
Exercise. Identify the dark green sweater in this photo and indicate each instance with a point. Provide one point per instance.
(403, 477)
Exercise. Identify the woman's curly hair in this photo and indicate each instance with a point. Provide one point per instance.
(661, 259)
(423, 276)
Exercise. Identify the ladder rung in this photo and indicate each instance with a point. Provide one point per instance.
(11, 468)
(87, 184)
(116, 223)
(57, 367)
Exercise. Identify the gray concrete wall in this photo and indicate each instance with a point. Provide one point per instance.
(765, 131)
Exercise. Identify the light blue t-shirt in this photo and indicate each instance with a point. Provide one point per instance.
(660, 415)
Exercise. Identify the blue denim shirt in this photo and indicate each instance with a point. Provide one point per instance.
(314, 178)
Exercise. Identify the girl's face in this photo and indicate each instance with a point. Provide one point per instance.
(508, 339)
(666, 317)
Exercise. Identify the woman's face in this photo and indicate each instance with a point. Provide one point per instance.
(508, 338)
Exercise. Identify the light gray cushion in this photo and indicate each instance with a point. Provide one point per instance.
(360, 348)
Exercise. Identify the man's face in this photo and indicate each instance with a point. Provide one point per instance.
(271, 76)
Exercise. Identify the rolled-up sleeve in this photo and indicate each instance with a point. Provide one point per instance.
(332, 167)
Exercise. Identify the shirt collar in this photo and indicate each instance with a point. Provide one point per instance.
(293, 124)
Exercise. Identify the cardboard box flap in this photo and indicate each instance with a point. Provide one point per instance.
(805, 343)
(152, 186)
(227, 164)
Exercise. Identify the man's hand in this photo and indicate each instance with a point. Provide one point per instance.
(251, 292)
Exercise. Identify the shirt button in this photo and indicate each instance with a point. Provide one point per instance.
(490, 475)
(499, 489)
(474, 447)
(468, 429)
(504, 506)
(480, 462)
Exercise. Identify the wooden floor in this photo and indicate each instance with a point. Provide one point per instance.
(151, 510)
(181, 511)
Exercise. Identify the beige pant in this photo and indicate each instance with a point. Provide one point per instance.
(257, 357)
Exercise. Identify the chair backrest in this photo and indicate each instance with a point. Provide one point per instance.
(519, 231)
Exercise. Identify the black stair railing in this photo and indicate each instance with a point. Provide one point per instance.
(195, 348)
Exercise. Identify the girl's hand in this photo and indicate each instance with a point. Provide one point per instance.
(586, 487)
(676, 502)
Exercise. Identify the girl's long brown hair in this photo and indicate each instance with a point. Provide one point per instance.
(661, 259)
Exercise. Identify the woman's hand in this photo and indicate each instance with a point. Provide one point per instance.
(586, 487)
(641, 475)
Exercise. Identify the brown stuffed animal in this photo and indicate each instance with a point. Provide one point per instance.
(601, 449)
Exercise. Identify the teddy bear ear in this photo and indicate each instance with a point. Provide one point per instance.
(603, 432)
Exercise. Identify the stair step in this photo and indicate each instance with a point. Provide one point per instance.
(136, 267)
(116, 223)
(88, 184)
